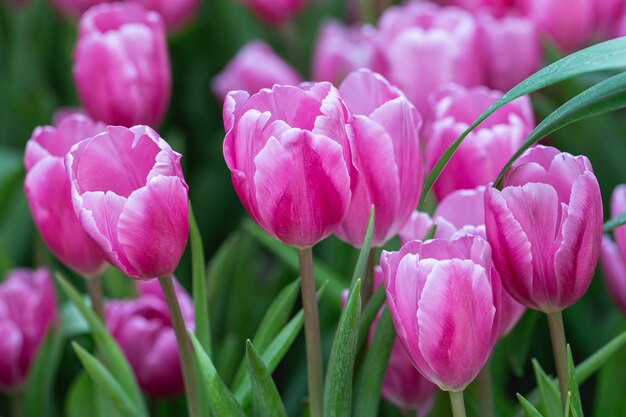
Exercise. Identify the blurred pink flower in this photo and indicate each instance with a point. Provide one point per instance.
(274, 12)
(498, 8)
(613, 255)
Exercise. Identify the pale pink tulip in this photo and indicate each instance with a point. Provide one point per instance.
(27, 311)
(175, 13)
(254, 67)
(289, 157)
(444, 302)
(613, 255)
(130, 196)
(387, 155)
(143, 329)
(485, 150)
(47, 190)
(545, 228)
(121, 65)
(275, 12)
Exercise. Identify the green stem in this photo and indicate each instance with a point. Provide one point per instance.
(17, 404)
(94, 288)
(311, 331)
(559, 347)
(484, 386)
(458, 406)
(184, 347)
(368, 281)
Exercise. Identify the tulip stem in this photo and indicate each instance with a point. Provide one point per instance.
(368, 282)
(16, 404)
(458, 406)
(184, 347)
(311, 331)
(559, 347)
(94, 288)
(484, 386)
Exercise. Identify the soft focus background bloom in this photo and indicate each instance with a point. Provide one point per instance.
(613, 254)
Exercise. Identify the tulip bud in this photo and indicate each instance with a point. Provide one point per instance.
(445, 306)
(485, 150)
(274, 12)
(340, 50)
(288, 153)
(386, 151)
(121, 65)
(27, 311)
(143, 329)
(254, 67)
(47, 190)
(613, 255)
(426, 46)
(545, 228)
(130, 196)
(174, 13)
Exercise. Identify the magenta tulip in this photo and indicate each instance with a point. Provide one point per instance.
(288, 153)
(620, 27)
(340, 49)
(121, 65)
(545, 228)
(27, 311)
(485, 150)
(130, 196)
(47, 190)
(75, 8)
(608, 13)
(274, 12)
(444, 303)
(386, 151)
(143, 329)
(175, 13)
(427, 45)
(498, 8)
(254, 67)
(613, 255)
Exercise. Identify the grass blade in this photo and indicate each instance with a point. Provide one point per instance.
(266, 399)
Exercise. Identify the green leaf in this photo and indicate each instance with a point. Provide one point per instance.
(39, 391)
(84, 399)
(369, 313)
(361, 263)
(368, 388)
(530, 409)
(606, 96)
(568, 404)
(572, 384)
(72, 321)
(266, 399)
(610, 55)
(220, 264)
(550, 397)
(107, 383)
(614, 223)
(518, 342)
(114, 358)
(200, 294)
(222, 401)
(609, 393)
(338, 384)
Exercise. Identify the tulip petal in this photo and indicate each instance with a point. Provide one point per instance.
(11, 344)
(614, 269)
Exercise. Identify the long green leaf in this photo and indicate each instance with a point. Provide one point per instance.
(367, 394)
(550, 397)
(361, 263)
(572, 384)
(610, 55)
(106, 382)
(338, 385)
(614, 223)
(530, 409)
(266, 399)
(220, 264)
(114, 358)
(38, 395)
(200, 295)
(369, 313)
(604, 97)
(84, 398)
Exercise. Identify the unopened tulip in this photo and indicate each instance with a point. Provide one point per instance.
(75, 8)
(445, 306)
(545, 228)
(27, 311)
(485, 150)
(426, 46)
(47, 190)
(613, 255)
(174, 13)
(143, 329)
(275, 12)
(121, 65)
(340, 50)
(255, 67)
(130, 196)
(289, 157)
(498, 8)
(513, 50)
(386, 151)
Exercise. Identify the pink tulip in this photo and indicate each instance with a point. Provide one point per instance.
(427, 45)
(143, 329)
(545, 228)
(27, 311)
(254, 67)
(274, 12)
(174, 13)
(121, 65)
(620, 27)
(484, 151)
(340, 49)
(444, 303)
(130, 196)
(613, 255)
(288, 153)
(75, 8)
(387, 157)
(513, 50)
(47, 190)
(608, 13)
(498, 8)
